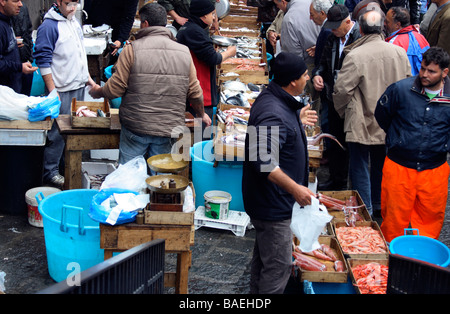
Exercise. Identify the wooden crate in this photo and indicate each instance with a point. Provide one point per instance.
(246, 77)
(226, 152)
(330, 275)
(241, 32)
(27, 125)
(352, 262)
(91, 122)
(250, 20)
(374, 225)
(339, 216)
(168, 218)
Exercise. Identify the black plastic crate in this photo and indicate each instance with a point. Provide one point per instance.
(139, 270)
(411, 276)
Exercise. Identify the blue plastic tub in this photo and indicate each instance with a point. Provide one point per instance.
(328, 287)
(227, 176)
(72, 238)
(421, 248)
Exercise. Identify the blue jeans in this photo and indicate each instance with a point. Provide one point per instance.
(133, 145)
(366, 171)
(54, 147)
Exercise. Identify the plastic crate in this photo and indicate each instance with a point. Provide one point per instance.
(13, 137)
(328, 287)
(94, 168)
(109, 154)
(411, 276)
(236, 222)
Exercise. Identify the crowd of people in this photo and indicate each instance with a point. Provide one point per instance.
(376, 71)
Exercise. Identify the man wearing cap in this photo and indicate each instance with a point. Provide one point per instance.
(275, 172)
(154, 89)
(343, 32)
(369, 67)
(195, 36)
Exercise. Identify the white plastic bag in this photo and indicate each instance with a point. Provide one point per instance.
(307, 224)
(14, 106)
(129, 176)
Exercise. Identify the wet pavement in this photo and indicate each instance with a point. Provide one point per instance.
(220, 259)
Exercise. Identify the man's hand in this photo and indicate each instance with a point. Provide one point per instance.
(27, 68)
(272, 37)
(206, 119)
(96, 91)
(311, 51)
(308, 116)
(318, 83)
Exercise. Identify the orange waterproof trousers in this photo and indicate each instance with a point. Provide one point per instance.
(413, 197)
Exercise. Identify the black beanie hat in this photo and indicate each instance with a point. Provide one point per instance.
(288, 67)
(200, 8)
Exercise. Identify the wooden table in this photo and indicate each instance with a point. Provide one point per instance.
(178, 239)
(79, 139)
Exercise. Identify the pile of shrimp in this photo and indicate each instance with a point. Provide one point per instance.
(371, 278)
(360, 240)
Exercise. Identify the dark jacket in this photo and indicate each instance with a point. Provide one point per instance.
(194, 34)
(273, 110)
(417, 128)
(119, 14)
(331, 63)
(412, 5)
(10, 64)
(22, 27)
(320, 44)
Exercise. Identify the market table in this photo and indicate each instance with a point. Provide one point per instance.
(79, 139)
(178, 239)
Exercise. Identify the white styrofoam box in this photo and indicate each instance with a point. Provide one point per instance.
(236, 222)
(94, 168)
(15, 137)
(313, 185)
(110, 154)
(95, 46)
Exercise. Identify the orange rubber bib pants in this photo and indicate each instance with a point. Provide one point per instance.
(411, 196)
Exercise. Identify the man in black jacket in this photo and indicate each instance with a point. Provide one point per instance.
(119, 14)
(344, 31)
(11, 67)
(275, 172)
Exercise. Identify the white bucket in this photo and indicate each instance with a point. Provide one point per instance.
(217, 204)
(34, 217)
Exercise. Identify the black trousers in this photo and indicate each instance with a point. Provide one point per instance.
(271, 263)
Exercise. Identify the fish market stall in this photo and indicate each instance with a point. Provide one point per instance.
(22, 140)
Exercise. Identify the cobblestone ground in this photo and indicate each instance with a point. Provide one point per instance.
(220, 259)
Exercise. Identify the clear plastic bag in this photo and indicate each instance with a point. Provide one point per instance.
(14, 106)
(308, 222)
(129, 176)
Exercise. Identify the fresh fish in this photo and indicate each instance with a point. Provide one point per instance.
(100, 113)
(253, 87)
(238, 100)
(315, 140)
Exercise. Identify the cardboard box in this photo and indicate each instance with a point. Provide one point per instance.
(91, 122)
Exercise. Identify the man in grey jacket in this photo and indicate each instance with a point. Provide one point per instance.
(154, 89)
(298, 34)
